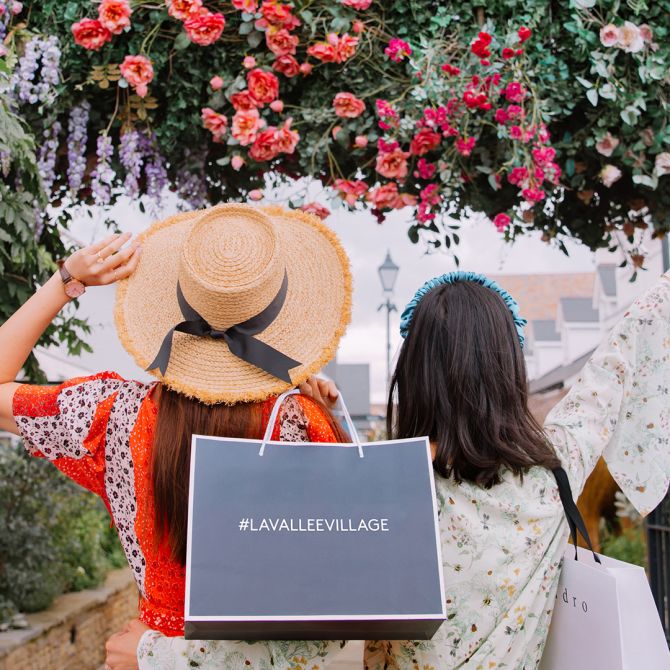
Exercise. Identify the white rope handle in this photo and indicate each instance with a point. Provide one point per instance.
(353, 433)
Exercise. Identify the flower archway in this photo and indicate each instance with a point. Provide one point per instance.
(548, 116)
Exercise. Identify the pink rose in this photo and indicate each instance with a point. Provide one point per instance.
(265, 147)
(543, 156)
(90, 34)
(501, 221)
(316, 209)
(465, 146)
(609, 35)
(385, 196)
(392, 164)
(205, 29)
(645, 31)
(397, 50)
(138, 72)
(286, 139)
(347, 105)
(277, 106)
(263, 86)
(184, 9)
(607, 145)
(425, 170)
(17, 8)
(287, 65)
(424, 141)
(249, 62)
(243, 100)
(323, 51)
(662, 164)
(358, 27)
(305, 69)
(516, 133)
(360, 5)
(256, 194)
(245, 126)
(248, 6)
(346, 47)
(216, 83)
(518, 176)
(610, 174)
(336, 131)
(114, 15)
(281, 42)
(351, 190)
(515, 92)
(630, 38)
(361, 141)
(533, 195)
(216, 123)
(236, 162)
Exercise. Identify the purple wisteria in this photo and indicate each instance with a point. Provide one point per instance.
(103, 175)
(192, 188)
(130, 153)
(76, 145)
(155, 169)
(37, 75)
(46, 159)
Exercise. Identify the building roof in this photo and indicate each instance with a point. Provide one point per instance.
(539, 295)
(579, 310)
(557, 377)
(544, 330)
(607, 277)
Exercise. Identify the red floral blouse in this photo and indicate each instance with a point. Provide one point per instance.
(99, 431)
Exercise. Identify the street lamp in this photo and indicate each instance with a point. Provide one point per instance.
(388, 272)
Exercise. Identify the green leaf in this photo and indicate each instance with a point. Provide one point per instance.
(182, 41)
(255, 38)
(584, 82)
(592, 96)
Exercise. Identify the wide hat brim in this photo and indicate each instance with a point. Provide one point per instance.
(308, 328)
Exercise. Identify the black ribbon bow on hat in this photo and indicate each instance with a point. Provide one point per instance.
(239, 338)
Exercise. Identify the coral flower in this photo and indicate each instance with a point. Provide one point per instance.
(263, 86)
(138, 72)
(90, 34)
(347, 105)
(245, 126)
(114, 15)
(184, 9)
(205, 29)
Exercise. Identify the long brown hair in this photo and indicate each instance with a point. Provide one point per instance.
(180, 417)
(461, 380)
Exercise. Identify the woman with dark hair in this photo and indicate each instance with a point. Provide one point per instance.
(461, 380)
(229, 307)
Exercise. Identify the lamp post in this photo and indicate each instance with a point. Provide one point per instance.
(388, 272)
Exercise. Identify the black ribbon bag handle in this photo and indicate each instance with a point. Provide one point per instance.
(574, 517)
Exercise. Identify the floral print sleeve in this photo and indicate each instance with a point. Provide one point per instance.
(157, 652)
(620, 406)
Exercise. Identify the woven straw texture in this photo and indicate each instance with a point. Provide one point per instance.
(230, 262)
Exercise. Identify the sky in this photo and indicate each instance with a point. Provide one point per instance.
(367, 242)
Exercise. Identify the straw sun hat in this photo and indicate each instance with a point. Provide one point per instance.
(260, 296)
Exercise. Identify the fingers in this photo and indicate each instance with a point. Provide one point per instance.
(98, 246)
(322, 390)
(129, 261)
(111, 246)
(118, 258)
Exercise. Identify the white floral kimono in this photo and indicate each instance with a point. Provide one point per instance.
(502, 547)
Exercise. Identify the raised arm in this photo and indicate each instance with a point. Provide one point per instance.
(619, 408)
(99, 264)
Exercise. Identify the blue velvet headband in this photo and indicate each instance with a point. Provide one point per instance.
(451, 278)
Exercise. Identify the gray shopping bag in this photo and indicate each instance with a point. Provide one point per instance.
(311, 541)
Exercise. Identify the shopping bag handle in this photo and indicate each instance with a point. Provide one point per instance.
(575, 521)
(353, 433)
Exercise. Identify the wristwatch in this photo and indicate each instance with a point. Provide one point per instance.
(73, 287)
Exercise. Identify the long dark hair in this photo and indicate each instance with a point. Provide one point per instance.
(179, 417)
(461, 380)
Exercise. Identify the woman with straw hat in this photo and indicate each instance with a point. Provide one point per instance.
(228, 308)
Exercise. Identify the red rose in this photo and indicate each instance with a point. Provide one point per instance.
(90, 34)
(263, 86)
(347, 105)
(264, 147)
(392, 164)
(287, 65)
(286, 139)
(281, 42)
(424, 141)
(524, 33)
(323, 51)
(184, 9)
(205, 29)
(114, 15)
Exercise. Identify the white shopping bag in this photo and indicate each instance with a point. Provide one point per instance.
(605, 618)
(349, 658)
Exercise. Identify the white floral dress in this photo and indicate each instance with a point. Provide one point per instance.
(502, 547)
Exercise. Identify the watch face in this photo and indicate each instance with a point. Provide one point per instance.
(74, 288)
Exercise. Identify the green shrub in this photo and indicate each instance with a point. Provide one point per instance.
(54, 536)
(630, 546)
